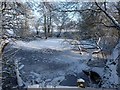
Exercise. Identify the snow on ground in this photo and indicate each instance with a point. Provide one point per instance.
(57, 44)
(52, 61)
(115, 52)
(111, 74)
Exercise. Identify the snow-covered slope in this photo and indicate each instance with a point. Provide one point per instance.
(110, 72)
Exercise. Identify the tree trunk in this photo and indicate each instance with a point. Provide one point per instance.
(45, 29)
(49, 25)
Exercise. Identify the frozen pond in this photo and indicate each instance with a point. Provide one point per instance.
(50, 62)
(55, 64)
(41, 65)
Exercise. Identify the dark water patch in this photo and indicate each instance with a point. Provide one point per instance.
(70, 80)
(97, 63)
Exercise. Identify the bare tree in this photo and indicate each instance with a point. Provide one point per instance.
(13, 16)
(114, 21)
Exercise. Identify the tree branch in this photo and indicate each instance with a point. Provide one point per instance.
(109, 26)
(80, 11)
(115, 22)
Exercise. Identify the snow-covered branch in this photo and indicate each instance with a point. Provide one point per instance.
(79, 10)
(115, 22)
(3, 44)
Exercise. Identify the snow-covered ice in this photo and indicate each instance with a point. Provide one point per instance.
(57, 44)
